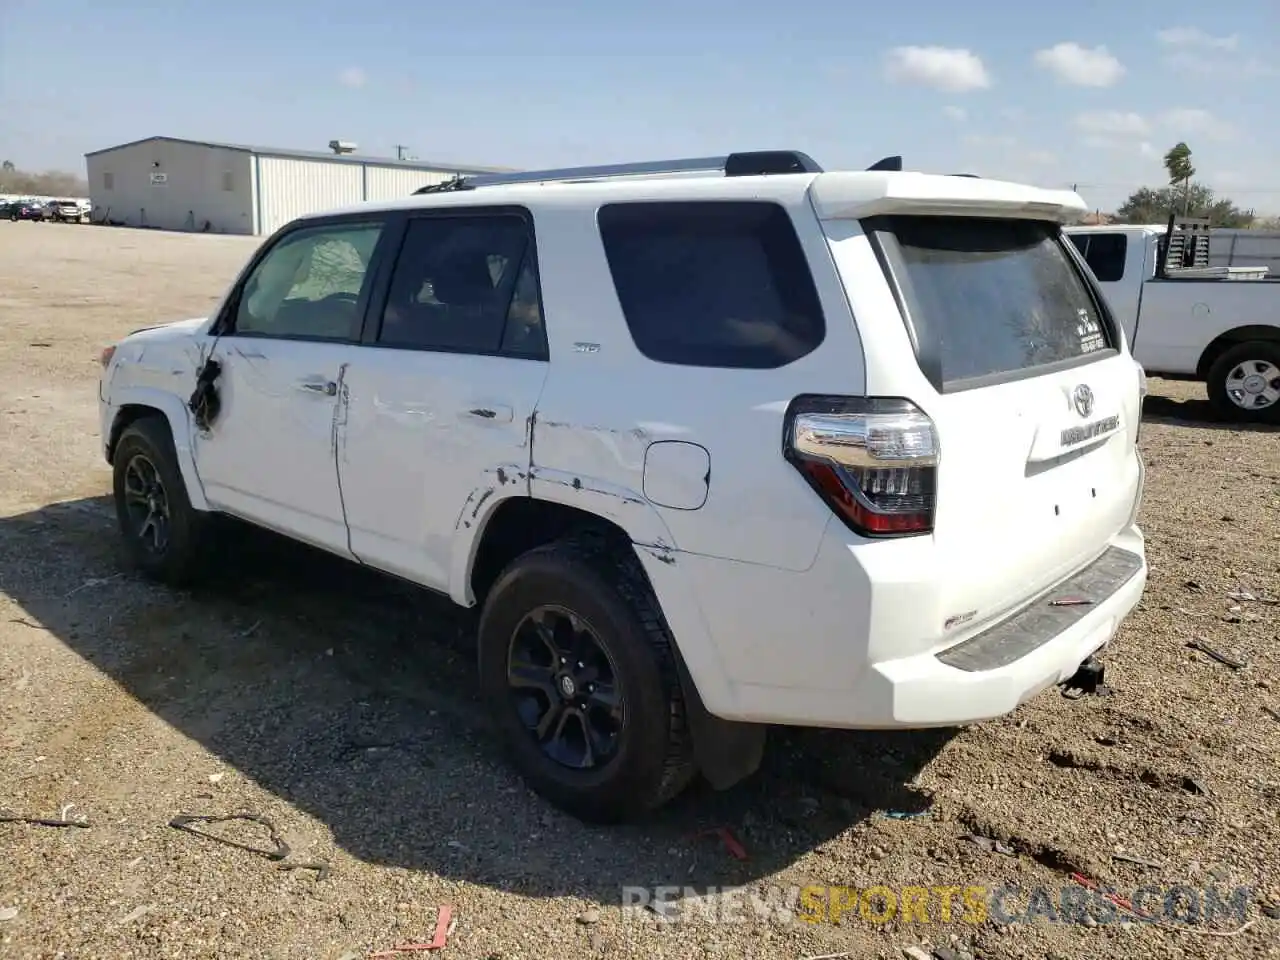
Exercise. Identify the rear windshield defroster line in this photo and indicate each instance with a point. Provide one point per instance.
(990, 300)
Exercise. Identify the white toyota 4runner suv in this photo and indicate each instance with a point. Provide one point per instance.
(712, 444)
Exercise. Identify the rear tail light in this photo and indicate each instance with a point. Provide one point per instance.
(873, 460)
(105, 357)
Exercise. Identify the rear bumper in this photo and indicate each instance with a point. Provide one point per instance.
(790, 648)
(990, 675)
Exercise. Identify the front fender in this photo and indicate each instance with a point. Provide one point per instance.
(123, 399)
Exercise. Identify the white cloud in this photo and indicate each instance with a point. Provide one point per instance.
(1229, 68)
(1230, 179)
(1147, 150)
(943, 68)
(989, 140)
(1192, 121)
(1112, 124)
(1195, 37)
(1080, 66)
(1012, 113)
(353, 77)
(1041, 157)
(958, 114)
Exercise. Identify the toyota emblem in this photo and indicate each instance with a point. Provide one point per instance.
(1082, 400)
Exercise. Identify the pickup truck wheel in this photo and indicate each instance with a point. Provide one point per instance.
(163, 533)
(1244, 383)
(576, 665)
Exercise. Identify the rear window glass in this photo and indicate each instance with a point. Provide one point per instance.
(712, 284)
(990, 298)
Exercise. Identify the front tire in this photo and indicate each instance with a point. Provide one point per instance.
(163, 534)
(1244, 383)
(577, 667)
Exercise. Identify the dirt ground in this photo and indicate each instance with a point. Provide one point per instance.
(342, 708)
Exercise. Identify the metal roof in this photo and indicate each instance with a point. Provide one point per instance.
(428, 165)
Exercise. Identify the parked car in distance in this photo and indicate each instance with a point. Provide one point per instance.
(67, 211)
(712, 445)
(27, 210)
(1216, 325)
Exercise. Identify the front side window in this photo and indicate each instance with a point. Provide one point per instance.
(309, 284)
(465, 284)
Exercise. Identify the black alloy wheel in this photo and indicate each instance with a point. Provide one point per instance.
(563, 684)
(147, 504)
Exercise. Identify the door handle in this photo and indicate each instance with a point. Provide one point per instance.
(495, 413)
(327, 387)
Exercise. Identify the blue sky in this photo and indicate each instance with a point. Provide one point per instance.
(1092, 93)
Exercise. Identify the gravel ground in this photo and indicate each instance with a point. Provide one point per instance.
(342, 708)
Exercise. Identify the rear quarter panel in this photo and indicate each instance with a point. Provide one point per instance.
(605, 403)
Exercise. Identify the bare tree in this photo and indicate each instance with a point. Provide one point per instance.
(50, 183)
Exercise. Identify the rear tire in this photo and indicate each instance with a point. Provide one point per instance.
(622, 696)
(1250, 372)
(163, 534)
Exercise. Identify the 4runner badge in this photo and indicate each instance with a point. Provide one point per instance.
(1082, 400)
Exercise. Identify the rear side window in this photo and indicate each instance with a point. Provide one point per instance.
(989, 299)
(1104, 252)
(712, 284)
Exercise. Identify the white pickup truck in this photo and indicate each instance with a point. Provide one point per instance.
(1217, 325)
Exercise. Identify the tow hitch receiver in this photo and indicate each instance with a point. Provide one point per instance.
(1086, 680)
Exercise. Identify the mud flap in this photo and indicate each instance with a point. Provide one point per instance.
(727, 752)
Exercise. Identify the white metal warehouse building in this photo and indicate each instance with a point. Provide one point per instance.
(174, 184)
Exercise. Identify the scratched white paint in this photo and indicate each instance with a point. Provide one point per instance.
(781, 613)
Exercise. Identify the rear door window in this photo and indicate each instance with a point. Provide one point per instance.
(990, 299)
(1104, 252)
(466, 283)
(712, 284)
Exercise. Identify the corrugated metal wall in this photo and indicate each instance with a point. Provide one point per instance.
(394, 183)
(289, 188)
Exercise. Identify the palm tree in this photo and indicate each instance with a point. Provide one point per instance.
(1178, 163)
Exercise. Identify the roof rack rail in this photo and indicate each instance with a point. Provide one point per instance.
(743, 164)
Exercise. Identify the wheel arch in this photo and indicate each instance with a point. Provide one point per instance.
(514, 525)
(725, 751)
(132, 405)
(1230, 338)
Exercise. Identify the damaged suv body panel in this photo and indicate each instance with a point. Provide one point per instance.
(699, 451)
(827, 448)
(152, 369)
